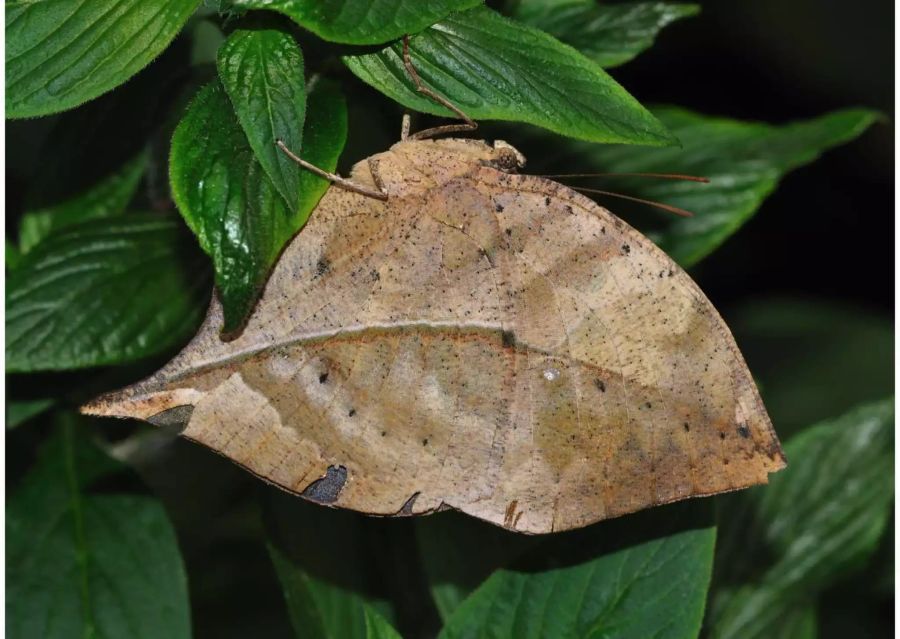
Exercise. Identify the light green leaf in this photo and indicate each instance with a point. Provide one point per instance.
(744, 161)
(642, 584)
(262, 72)
(814, 359)
(230, 203)
(609, 34)
(61, 53)
(105, 291)
(817, 521)
(87, 565)
(108, 197)
(361, 21)
(494, 68)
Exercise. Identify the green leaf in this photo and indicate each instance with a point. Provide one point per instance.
(377, 627)
(20, 411)
(797, 623)
(321, 610)
(814, 359)
(262, 72)
(744, 161)
(609, 34)
(616, 579)
(108, 197)
(88, 565)
(360, 21)
(11, 254)
(324, 561)
(459, 552)
(103, 292)
(496, 69)
(816, 522)
(60, 54)
(230, 203)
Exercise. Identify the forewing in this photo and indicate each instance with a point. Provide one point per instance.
(500, 345)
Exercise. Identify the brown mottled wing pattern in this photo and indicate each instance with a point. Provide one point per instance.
(500, 345)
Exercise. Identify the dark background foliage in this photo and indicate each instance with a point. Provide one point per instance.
(779, 61)
(806, 285)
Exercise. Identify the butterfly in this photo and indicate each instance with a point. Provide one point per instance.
(446, 332)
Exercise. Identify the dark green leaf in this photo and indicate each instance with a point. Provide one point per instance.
(814, 359)
(798, 623)
(108, 197)
(459, 552)
(86, 565)
(817, 521)
(360, 21)
(60, 54)
(11, 254)
(496, 69)
(20, 411)
(609, 34)
(262, 72)
(103, 292)
(325, 562)
(744, 161)
(321, 610)
(377, 627)
(617, 579)
(229, 202)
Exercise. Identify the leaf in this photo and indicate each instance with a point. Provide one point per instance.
(81, 564)
(459, 553)
(20, 411)
(324, 563)
(102, 292)
(798, 623)
(815, 523)
(322, 610)
(609, 34)
(613, 582)
(60, 54)
(11, 255)
(360, 21)
(108, 197)
(228, 201)
(496, 69)
(262, 73)
(743, 160)
(814, 359)
(377, 627)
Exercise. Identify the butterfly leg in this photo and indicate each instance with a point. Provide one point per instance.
(468, 125)
(334, 178)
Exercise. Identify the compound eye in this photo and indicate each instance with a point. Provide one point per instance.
(506, 157)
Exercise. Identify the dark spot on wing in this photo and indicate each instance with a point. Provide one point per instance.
(327, 489)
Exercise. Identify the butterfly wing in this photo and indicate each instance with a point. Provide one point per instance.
(500, 345)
